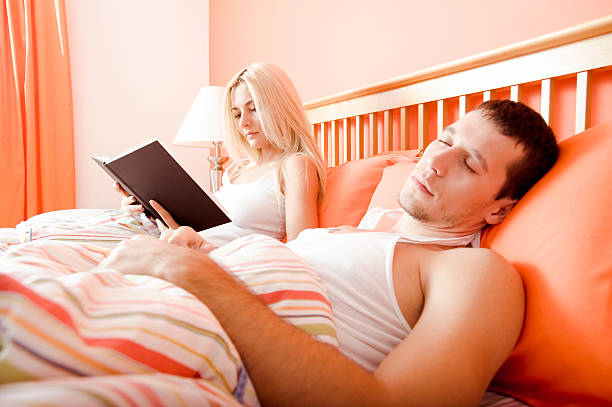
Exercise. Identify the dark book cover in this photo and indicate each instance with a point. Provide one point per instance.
(149, 172)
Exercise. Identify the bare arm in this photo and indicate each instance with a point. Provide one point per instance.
(301, 193)
(471, 319)
(448, 359)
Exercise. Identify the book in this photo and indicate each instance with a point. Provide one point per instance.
(148, 172)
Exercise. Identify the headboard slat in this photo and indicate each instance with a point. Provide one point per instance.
(335, 142)
(582, 101)
(388, 130)
(515, 93)
(349, 150)
(546, 100)
(441, 117)
(373, 127)
(462, 105)
(359, 139)
(404, 129)
(422, 125)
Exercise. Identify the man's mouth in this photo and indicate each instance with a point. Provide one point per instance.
(422, 184)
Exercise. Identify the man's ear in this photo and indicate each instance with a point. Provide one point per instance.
(501, 210)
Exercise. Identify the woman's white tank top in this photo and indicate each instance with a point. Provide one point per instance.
(356, 269)
(253, 207)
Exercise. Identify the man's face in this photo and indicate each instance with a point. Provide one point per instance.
(454, 184)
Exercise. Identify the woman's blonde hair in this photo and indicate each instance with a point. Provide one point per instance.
(282, 117)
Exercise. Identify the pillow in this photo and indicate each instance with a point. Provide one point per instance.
(351, 185)
(393, 178)
(559, 237)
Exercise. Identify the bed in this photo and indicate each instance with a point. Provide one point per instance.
(71, 337)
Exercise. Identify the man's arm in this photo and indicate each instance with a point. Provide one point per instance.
(471, 319)
(289, 368)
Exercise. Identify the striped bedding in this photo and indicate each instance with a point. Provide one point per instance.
(89, 346)
(74, 334)
(104, 227)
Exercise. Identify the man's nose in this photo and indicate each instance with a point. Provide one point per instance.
(440, 161)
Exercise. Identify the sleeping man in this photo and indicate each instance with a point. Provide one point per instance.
(421, 319)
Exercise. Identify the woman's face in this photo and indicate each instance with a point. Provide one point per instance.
(247, 118)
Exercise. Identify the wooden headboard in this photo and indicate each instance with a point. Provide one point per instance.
(566, 76)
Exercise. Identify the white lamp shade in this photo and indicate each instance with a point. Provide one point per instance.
(204, 121)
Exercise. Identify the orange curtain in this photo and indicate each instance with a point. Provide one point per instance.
(36, 127)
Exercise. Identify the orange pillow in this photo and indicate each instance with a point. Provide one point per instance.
(393, 178)
(350, 187)
(559, 237)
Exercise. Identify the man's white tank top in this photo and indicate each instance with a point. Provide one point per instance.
(356, 269)
(253, 207)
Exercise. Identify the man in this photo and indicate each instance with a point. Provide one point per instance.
(423, 322)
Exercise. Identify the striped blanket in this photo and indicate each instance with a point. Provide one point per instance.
(73, 334)
(104, 227)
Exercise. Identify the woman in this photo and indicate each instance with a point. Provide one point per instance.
(275, 189)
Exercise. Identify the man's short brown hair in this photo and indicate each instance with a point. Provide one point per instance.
(528, 128)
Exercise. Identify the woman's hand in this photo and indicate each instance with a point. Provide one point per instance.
(187, 237)
(165, 215)
(128, 202)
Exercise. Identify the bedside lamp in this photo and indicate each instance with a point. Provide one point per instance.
(203, 127)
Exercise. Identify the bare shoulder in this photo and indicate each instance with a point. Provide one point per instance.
(236, 166)
(300, 168)
(481, 266)
(481, 281)
(299, 164)
(469, 321)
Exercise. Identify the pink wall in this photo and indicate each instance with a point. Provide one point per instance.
(136, 67)
(332, 46)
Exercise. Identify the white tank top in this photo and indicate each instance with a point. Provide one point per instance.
(253, 207)
(356, 269)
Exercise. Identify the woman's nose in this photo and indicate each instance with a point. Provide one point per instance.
(244, 121)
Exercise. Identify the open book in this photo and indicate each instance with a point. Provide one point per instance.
(149, 172)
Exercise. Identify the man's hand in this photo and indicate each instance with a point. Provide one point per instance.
(273, 351)
(187, 237)
(144, 254)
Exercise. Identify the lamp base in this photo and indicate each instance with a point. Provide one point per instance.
(216, 167)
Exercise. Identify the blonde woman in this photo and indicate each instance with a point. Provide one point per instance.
(278, 177)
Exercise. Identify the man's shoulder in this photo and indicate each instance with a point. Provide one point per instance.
(475, 257)
(475, 267)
